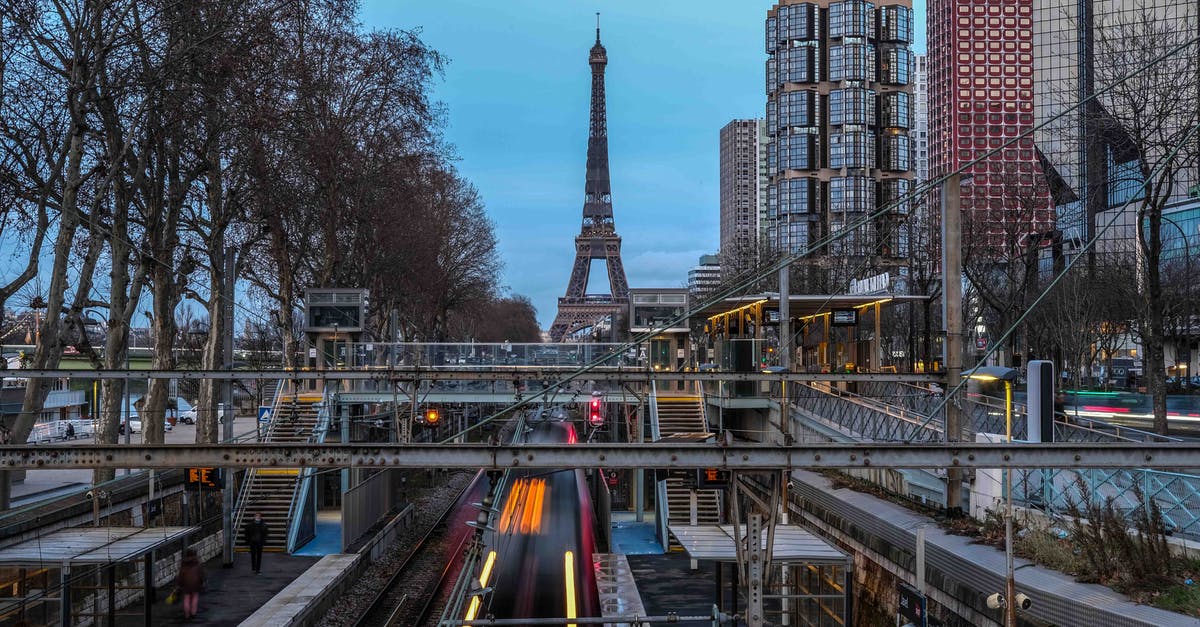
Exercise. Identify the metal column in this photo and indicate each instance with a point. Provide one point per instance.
(226, 416)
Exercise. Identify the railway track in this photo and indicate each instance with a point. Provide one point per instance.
(411, 593)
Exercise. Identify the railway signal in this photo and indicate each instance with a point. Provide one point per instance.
(432, 416)
(595, 416)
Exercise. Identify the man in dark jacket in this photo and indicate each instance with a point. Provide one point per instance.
(255, 534)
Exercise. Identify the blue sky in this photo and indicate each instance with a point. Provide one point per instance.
(517, 88)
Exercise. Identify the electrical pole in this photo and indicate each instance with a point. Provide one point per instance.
(225, 414)
(952, 322)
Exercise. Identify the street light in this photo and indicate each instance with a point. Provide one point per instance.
(1008, 376)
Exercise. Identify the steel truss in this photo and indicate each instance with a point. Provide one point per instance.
(600, 373)
(1172, 455)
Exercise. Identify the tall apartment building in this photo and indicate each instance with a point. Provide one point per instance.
(839, 111)
(743, 193)
(1092, 163)
(920, 129)
(980, 98)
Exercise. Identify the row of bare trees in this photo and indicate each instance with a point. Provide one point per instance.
(143, 141)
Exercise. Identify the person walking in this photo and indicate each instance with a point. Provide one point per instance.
(190, 582)
(255, 534)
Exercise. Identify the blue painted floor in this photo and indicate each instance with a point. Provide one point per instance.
(630, 537)
(328, 539)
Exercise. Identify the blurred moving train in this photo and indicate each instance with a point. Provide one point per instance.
(538, 562)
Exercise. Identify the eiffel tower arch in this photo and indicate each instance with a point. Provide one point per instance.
(598, 238)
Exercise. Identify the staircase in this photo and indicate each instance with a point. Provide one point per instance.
(269, 491)
(678, 415)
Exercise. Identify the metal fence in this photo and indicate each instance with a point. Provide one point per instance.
(436, 355)
(890, 411)
(366, 504)
(1176, 495)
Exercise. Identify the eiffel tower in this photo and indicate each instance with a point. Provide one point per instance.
(598, 238)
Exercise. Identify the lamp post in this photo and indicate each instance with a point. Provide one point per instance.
(1007, 375)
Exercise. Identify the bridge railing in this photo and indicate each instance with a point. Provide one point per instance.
(491, 355)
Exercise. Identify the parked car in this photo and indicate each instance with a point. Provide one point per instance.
(133, 422)
(188, 416)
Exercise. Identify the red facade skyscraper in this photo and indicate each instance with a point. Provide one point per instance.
(980, 97)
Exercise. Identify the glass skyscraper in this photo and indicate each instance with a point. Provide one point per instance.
(839, 111)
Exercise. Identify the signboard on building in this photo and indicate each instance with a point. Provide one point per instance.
(871, 285)
(843, 318)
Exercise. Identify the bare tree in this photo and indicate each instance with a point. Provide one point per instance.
(1154, 114)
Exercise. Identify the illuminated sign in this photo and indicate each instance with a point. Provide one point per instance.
(204, 478)
(712, 478)
(843, 318)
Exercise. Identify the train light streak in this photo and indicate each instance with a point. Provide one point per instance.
(569, 569)
(487, 569)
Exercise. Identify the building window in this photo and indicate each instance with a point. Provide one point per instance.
(852, 62)
(895, 152)
(853, 149)
(895, 65)
(895, 110)
(798, 151)
(895, 24)
(798, 65)
(852, 106)
(797, 196)
(797, 21)
(894, 191)
(851, 194)
(850, 19)
(798, 108)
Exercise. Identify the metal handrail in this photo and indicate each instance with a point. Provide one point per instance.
(301, 492)
(256, 435)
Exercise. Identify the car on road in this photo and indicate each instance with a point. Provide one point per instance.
(134, 423)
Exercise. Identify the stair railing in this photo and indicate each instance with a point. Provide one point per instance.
(301, 519)
(251, 474)
(662, 510)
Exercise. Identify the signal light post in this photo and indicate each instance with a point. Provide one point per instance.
(595, 415)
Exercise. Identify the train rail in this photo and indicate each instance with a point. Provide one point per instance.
(409, 596)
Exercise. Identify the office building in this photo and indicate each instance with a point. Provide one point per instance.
(1091, 152)
(743, 193)
(839, 112)
(981, 77)
(920, 129)
(705, 276)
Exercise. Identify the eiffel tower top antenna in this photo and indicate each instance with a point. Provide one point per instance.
(597, 27)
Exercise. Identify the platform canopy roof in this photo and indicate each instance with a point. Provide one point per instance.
(805, 304)
(91, 545)
(792, 544)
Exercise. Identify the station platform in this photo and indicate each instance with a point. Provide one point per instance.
(307, 591)
(630, 537)
(328, 537)
(232, 594)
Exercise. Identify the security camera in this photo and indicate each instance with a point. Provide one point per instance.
(90, 495)
(1023, 601)
(995, 601)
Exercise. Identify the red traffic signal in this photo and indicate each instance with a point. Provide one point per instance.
(595, 404)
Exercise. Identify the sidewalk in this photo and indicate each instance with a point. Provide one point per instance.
(232, 594)
(957, 564)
